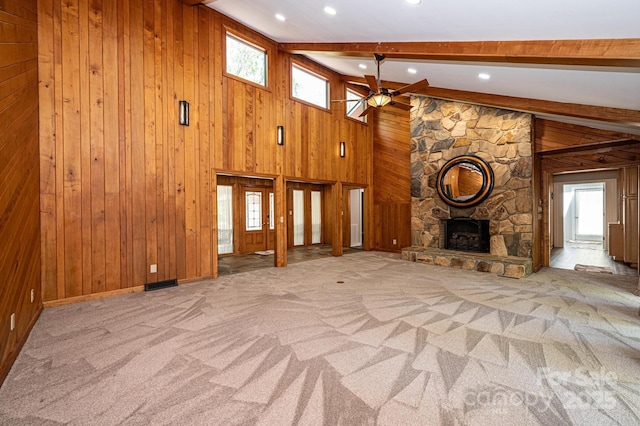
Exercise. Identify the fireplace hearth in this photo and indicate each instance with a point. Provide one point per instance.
(466, 234)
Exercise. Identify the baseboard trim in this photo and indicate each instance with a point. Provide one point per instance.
(194, 280)
(112, 293)
(95, 296)
(8, 363)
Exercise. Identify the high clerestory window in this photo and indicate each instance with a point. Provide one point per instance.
(245, 60)
(355, 105)
(309, 87)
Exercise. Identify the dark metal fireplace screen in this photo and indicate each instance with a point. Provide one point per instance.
(466, 234)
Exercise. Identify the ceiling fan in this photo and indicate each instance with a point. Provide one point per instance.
(380, 96)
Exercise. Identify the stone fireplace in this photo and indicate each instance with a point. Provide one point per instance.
(442, 130)
(466, 234)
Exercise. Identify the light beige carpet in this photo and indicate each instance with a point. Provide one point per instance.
(398, 343)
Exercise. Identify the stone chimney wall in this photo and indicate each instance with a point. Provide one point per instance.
(442, 130)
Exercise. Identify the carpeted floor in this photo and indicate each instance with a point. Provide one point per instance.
(396, 343)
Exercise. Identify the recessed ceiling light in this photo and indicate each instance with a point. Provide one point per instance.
(412, 70)
(329, 10)
(362, 66)
(280, 17)
(413, 1)
(484, 76)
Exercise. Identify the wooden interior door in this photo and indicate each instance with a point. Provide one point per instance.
(258, 226)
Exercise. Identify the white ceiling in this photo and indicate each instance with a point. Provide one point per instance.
(465, 20)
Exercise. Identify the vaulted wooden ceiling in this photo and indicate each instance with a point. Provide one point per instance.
(619, 55)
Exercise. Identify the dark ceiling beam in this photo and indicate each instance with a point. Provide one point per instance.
(534, 106)
(195, 2)
(596, 52)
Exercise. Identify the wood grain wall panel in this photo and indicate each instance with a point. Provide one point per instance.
(553, 135)
(132, 187)
(391, 180)
(20, 257)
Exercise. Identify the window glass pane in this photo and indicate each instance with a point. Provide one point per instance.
(225, 219)
(254, 210)
(590, 214)
(272, 223)
(356, 106)
(246, 61)
(298, 217)
(316, 222)
(309, 87)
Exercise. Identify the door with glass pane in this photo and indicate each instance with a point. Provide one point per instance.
(589, 214)
(258, 227)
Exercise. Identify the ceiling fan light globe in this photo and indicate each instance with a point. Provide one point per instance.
(379, 100)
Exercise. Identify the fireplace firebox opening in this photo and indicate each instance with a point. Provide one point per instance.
(466, 234)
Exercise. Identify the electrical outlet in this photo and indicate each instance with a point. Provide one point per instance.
(13, 321)
(395, 241)
(33, 296)
(153, 268)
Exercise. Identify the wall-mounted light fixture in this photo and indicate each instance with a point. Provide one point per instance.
(184, 113)
(343, 149)
(280, 135)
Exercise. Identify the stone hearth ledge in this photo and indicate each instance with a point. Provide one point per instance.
(504, 266)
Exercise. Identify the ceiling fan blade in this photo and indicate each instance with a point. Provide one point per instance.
(422, 84)
(366, 111)
(373, 83)
(401, 105)
(346, 100)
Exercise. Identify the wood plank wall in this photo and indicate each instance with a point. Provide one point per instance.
(19, 176)
(391, 180)
(123, 185)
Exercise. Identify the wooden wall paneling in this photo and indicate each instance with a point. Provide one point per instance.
(111, 146)
(96, 191)
(72, 151)
(327, 214)
(58, 139)
(47, 123)
(553, 135)
(190, 149)
(139, 111)
(131, 186)
(86, 216)
(166, 113)
(206, 240)
(21, 262)
(125, 146)
(216, 96)
(150, 132)
(159, 143)
(391, 161)
(179, 147)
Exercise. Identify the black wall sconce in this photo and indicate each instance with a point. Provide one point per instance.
(280, 135)
(343, 149)
(184, 113)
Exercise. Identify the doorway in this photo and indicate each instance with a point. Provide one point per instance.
(356, 207)
(584, 213)
(582, 204)
(257, 233)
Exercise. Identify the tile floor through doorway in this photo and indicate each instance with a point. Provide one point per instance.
(251, 261)
(587, 254)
